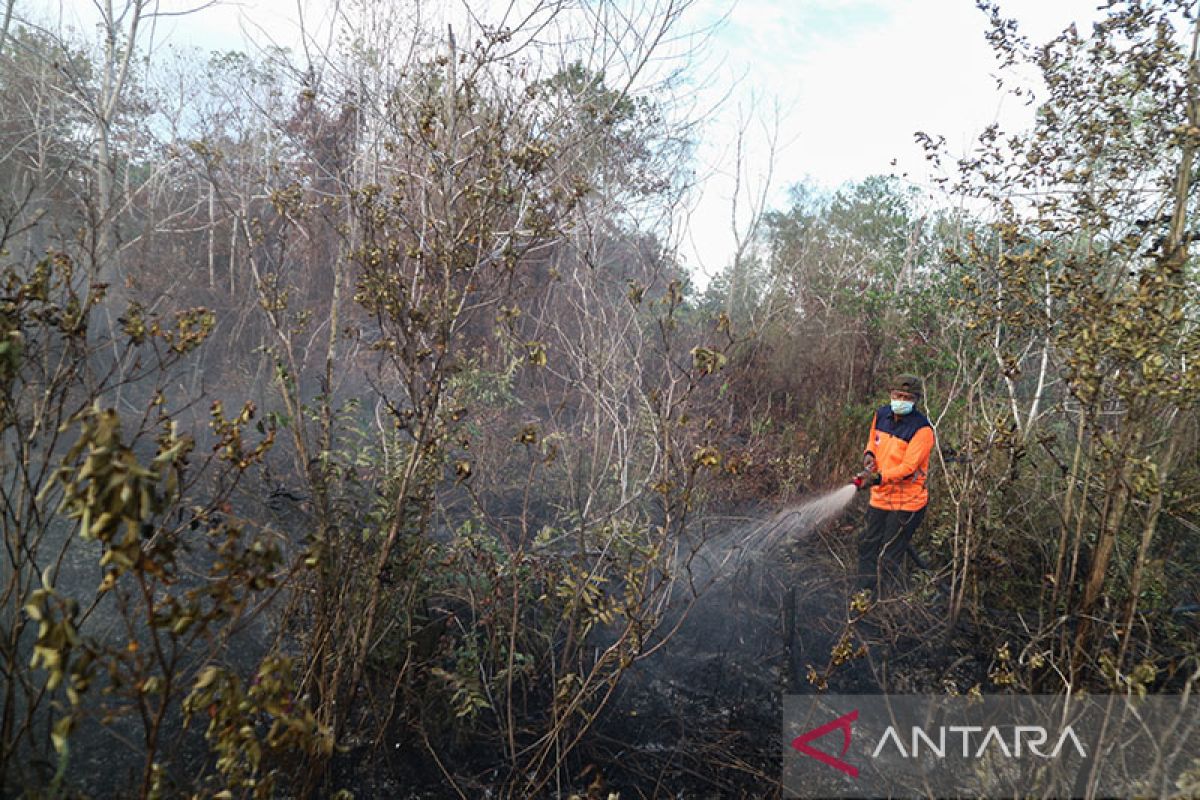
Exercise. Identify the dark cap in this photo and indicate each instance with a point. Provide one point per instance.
(908, 383)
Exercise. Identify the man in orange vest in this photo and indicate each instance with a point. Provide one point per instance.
(895, 465)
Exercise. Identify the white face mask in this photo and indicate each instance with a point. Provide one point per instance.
(902, 407)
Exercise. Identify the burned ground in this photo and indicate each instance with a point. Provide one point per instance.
(701, 717)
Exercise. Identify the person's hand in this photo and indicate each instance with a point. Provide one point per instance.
(865, 480)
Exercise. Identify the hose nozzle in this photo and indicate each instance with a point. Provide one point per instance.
(864, 480)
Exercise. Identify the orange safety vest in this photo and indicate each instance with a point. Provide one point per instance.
(901, 446)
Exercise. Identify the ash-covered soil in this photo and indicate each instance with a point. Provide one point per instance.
(701, 716)
(767, 610)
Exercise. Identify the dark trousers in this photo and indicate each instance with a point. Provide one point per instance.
(883, 544)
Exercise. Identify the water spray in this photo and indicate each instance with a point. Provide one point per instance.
(726, 556)
(800, 519)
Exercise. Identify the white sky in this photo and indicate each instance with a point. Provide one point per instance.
(852, 79)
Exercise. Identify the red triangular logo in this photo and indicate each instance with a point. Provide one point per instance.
(800, 743)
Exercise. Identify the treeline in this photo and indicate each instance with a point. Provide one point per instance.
(1053, 316)
(358, 412)
(368, 396)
